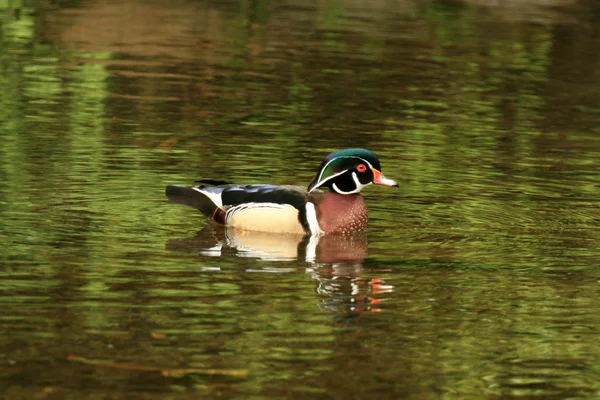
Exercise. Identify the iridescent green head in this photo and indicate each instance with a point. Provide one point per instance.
(347, 171)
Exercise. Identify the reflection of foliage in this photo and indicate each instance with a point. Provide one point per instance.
(299, 104)
(92, 130)
(468, 115)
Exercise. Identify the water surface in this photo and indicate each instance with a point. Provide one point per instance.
(476, 279)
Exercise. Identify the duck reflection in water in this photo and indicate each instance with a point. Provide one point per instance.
(342, 287)
(219, 241)
(335, 261)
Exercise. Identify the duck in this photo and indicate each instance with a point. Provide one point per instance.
(331, 204)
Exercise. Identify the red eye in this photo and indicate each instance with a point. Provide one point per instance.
(361, 168)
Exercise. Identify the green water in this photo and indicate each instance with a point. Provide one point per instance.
(477, 279)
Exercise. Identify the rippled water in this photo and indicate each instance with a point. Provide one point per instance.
(476, 279)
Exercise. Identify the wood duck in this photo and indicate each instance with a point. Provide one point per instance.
(293, 209)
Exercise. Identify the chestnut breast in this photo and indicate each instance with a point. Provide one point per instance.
(339, 213)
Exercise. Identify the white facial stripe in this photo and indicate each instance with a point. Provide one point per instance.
(320, 183)
(357, 182)
(332, 160)
(338, 190)
(331, 177)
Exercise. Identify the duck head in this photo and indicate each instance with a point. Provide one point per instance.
(347, 171)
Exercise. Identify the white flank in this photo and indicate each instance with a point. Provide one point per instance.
(311, 218)
(214, 197)
(266, 217)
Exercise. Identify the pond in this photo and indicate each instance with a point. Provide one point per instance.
(477, 278)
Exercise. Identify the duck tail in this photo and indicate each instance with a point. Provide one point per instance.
(194, 197)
